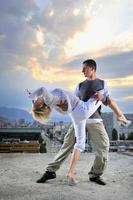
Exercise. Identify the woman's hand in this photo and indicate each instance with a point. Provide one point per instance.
(63, 105)
(39, 102)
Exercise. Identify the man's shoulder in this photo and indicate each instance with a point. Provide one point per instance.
(99, 79)
(82, 83)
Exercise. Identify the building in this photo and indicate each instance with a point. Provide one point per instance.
(110, 122)
(21, 133)
(3, 122)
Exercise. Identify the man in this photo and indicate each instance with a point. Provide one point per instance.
(94, 125)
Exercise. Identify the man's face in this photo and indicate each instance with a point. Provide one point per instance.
(87, 71)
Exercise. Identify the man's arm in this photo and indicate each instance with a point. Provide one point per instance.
(109, 101)
(113, 105)
(106, 94)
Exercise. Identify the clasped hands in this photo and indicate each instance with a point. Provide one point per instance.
(98, 96)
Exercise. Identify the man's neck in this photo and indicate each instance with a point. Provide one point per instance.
(91, 78)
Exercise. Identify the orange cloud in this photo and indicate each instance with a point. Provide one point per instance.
(54, 74)
(128, 98)
(35, 68)
(68, 77)
(119, 82)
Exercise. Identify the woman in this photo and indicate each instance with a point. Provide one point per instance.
(79, 111)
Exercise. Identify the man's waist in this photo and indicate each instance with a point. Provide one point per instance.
(94, 120)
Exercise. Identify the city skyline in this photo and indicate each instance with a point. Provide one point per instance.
(43, 43)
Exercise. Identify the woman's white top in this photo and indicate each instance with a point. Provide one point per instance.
(52, 98)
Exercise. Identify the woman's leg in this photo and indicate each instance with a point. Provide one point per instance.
(78, 147)
(74, 158)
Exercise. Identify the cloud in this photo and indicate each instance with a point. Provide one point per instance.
(56, 15)
(60, 20)
(53, 74)
(120, 82)
(34, 36)
(106, 29)
(28, 31)
(16, 36)
(115, 65)
(128, 98)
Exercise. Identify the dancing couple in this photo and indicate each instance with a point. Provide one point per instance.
(82, 106)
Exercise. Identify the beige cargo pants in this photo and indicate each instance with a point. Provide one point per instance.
(100, 142)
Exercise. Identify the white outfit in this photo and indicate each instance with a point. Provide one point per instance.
(78, 110)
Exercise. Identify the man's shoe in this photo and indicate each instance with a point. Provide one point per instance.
(98, 180)
(46, 176)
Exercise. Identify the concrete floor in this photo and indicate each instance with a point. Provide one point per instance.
(19, 172)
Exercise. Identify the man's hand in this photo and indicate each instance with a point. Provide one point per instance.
(98, 96)
(63, 105)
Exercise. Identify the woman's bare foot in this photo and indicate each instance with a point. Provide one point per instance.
(71, 180)
(71, 175)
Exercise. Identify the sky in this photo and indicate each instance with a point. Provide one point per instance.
(44, 42)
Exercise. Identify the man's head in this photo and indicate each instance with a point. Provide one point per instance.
(89, 68)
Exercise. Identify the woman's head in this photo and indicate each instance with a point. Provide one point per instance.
(40, 111)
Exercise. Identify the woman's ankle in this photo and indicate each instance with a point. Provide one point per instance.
(70, 174)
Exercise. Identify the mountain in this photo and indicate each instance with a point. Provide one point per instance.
(16, 113)
(56, 117)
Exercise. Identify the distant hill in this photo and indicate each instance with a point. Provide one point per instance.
(56, 117)
(16, 113)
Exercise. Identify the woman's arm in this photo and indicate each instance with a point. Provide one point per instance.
(49, 99)
(40, 92)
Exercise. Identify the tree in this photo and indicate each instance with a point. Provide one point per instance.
(130, 136)
(114, 134)
(122, 137)
(43, 148)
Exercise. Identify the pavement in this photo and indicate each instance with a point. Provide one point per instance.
(19, 172)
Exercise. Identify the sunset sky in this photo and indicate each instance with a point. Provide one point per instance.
(44, 42)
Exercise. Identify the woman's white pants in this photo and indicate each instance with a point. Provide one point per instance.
(79, 116)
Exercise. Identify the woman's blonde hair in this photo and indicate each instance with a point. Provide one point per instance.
(41, 114)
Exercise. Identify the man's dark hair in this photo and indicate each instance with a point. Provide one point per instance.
(90, 63)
